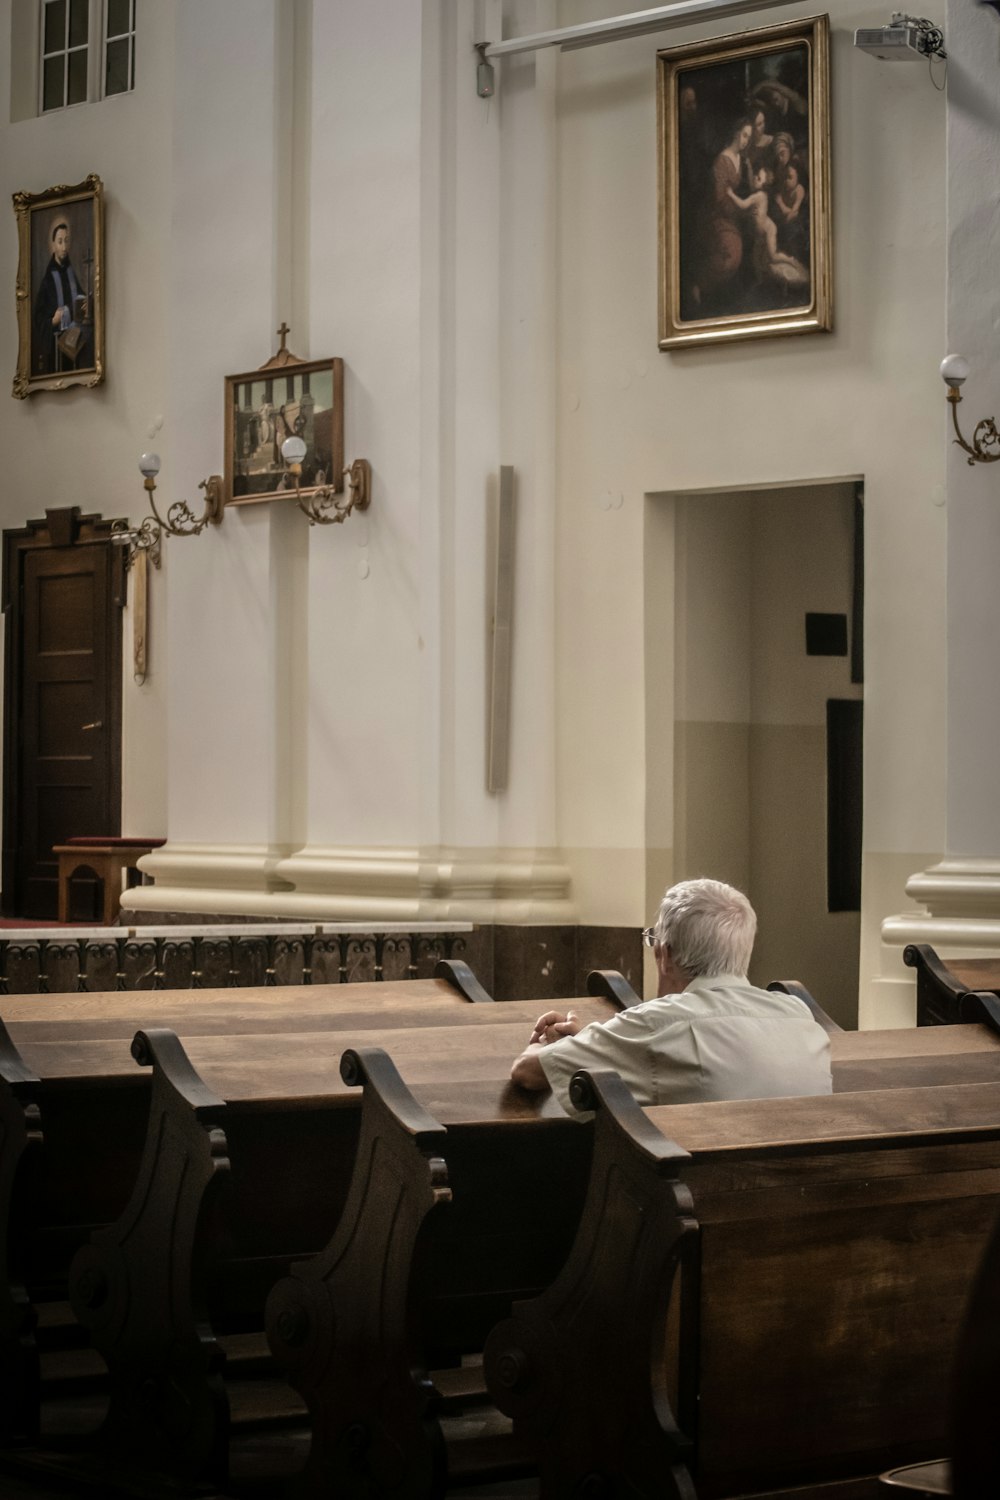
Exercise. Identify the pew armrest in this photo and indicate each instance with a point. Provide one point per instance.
(982, 1006)
(373, 1069)
(460, 977)
(796, 988)
(343, 1327)
(608, 984)
(546, 1365)
(939, 991)
(13, 1068)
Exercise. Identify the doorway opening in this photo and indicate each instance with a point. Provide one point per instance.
(63, 592)
(754, 761)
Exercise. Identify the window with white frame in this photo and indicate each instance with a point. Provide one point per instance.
(65, 52)
(87, 51)
(119, 46)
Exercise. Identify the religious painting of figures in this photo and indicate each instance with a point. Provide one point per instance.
(287, 397)
(60, 288)
(744, 186)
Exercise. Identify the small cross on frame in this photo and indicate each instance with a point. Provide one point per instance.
(283, 333)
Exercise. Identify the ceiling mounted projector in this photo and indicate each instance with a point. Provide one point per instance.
(905, 39)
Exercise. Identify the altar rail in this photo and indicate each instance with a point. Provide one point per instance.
(58, 960)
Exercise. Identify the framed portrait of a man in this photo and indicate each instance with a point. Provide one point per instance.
(60, 288)
(744, 186)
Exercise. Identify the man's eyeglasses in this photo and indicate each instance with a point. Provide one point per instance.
(649, 937)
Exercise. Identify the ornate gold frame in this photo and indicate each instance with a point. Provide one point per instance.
(25, 205)
(285, 363)
(817, 317)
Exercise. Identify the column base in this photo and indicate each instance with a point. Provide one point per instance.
(528, 887)
(962, 897)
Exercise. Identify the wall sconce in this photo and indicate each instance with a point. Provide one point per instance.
(181, 519)
(144, 545)
(954, 372)
(143, 540)
(317, 505)
(147, 537)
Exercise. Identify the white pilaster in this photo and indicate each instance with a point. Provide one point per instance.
(230, 610)
(961, 893)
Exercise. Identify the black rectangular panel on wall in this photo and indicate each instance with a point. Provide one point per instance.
(826, 635)
(844, 743)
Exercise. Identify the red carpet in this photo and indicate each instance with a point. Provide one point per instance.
(33, 922)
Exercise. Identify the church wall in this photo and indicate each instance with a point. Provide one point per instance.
(863, 401)
(959, 895)
(81, 447)
(487, 269)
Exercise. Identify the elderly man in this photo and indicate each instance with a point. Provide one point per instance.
(710, 1035)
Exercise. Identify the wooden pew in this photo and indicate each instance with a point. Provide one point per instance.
(942, 987)
(914, 1057)
(309, 1064)
(346, 1389)
(825, 1247)
(93, 1015)
(49, 1201)
(219, 1091)
(249, 1154)
(92, 1105)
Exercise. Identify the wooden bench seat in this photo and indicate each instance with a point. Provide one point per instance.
(249, 1155)
(224, 1099)
(825, 1247)
(282, 1101)
(91, 1104)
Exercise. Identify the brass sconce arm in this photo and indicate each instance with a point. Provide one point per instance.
(985, 445)
(326, 506)
(180, 518)
(146, 538)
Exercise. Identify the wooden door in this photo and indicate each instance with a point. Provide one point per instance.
(62, 700)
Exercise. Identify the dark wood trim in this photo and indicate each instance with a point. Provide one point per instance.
(858, 587)
(610, 985)
(796, 988)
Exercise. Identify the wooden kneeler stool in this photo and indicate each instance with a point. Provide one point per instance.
(109, 858)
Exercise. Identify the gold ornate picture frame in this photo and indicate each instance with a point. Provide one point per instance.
(60, 288)
(743, 125)
(287, 397)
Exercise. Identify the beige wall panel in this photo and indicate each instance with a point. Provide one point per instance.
(713, 812)
(802, 543)
(610, 884)
(798, 937)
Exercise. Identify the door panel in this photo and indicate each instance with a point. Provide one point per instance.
(67, 667)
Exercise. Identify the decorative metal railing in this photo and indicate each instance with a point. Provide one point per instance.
(49, 961)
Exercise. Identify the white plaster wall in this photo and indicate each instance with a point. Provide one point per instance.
(81, 447)
(961, 893)
(864, 400)
(365, 270)
(488, 272)
(973, 513)
(226, 288)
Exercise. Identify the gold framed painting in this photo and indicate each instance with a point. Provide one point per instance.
(287, 397)
(744, 186)
(60, 288)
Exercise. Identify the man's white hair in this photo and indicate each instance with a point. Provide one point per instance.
(709, 927)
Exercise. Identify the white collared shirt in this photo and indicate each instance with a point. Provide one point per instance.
(720, 1038)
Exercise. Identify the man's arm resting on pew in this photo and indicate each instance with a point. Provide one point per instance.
(527, 1071)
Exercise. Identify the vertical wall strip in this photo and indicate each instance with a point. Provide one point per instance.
(502, 620)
